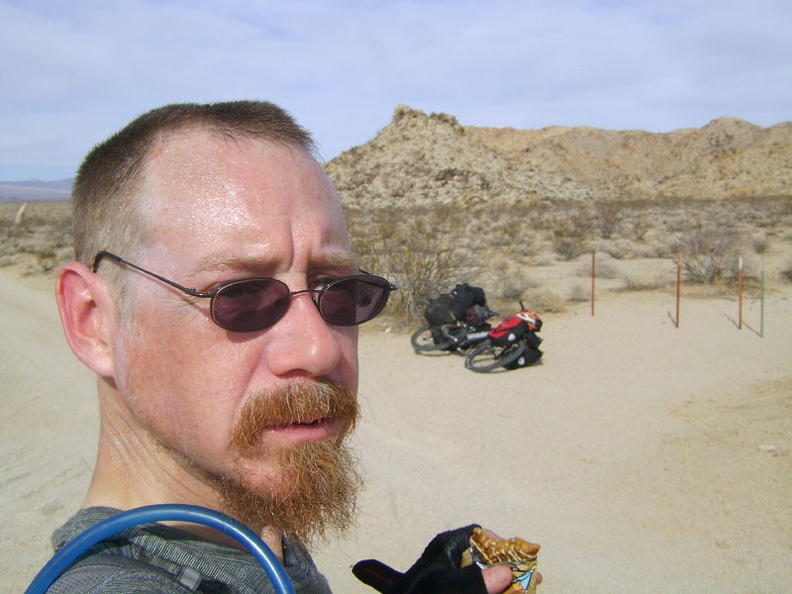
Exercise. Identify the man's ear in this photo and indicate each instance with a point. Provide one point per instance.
(88, 316)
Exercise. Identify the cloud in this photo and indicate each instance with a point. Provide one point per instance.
(80, 70)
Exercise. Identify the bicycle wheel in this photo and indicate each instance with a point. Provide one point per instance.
(430, 338)
(486, 357)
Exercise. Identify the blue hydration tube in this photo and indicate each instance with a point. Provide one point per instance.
(65, 557)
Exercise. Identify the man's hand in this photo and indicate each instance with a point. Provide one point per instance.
(437, 571)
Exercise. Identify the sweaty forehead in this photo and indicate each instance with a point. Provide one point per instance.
(204, 182)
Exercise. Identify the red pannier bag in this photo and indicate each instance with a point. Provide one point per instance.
(516, 327)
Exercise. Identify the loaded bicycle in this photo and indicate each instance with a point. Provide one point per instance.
(456, 321)
(459, 336)
(510, 345)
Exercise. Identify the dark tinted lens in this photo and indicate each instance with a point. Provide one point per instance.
(353, 300)
(250, 305)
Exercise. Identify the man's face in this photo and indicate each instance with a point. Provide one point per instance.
(223, 404)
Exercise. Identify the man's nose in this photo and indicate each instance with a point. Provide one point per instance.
(302, 342)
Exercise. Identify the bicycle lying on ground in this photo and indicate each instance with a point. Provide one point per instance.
(510, 345)
(458, 337)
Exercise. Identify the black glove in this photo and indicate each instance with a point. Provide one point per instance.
(436, 571)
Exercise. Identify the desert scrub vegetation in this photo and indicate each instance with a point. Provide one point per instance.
(786, 273)
(427, 250)
(503, 248)
(603, 267)
(424, 251)
(572, 232)
(710, 251)
(36, 236)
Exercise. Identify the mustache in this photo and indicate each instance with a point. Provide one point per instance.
(298, 402)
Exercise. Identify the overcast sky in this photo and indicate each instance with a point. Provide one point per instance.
(72, 72)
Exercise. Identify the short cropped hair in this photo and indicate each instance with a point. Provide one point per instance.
(107, 190)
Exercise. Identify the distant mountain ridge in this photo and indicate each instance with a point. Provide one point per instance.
(423, 160)
(34, 189)
(420, 159)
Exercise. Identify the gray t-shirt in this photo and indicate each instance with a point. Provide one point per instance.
(154, 558)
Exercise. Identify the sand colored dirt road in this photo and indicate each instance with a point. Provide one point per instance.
(642, 457)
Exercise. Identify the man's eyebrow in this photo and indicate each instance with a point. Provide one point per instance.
(339, 260)
(255, 264)
(219, 263)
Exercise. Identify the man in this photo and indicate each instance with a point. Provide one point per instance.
(216, 299)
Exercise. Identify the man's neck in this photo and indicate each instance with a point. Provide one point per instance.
(130, 474)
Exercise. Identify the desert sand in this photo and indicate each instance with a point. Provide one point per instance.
(642, 457)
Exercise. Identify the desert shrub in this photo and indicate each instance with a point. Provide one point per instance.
(605, 267)
(619, 249)
(609, 217)
(36, 236)
(572, 233)
(579, 294)
(510, 291)
(424, 253)
(657, 245)
(543, 257)
(46, 261)
(760, 243)
(709, 252)
(543, 300)
(786, 274)
(632, 283)
(637, 227)
(511, 286)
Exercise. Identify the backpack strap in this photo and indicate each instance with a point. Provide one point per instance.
(90, 573)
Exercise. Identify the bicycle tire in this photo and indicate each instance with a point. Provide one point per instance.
(423, 340)
(487, 357)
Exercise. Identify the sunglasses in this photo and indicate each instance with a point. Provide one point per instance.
(253, 304)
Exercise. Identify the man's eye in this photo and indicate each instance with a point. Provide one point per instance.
(239, 291)
(321, 283)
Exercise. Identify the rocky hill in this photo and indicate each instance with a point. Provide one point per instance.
(420, 159)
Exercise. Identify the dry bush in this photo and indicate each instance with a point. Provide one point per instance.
(786, 274)
(760, 243)
(423, 252)
(580, 294)
(609, 218)
(619, 249)
(632, 283)
(572, 233)
(709, 252)
(36, 236)
(507, 283)
(428, 250)
(544, 256)
(543, 299)
(604, 267)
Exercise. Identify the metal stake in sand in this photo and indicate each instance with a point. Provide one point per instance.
(678, 285)
(761, 302)
(593, 278)
(740, 292)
